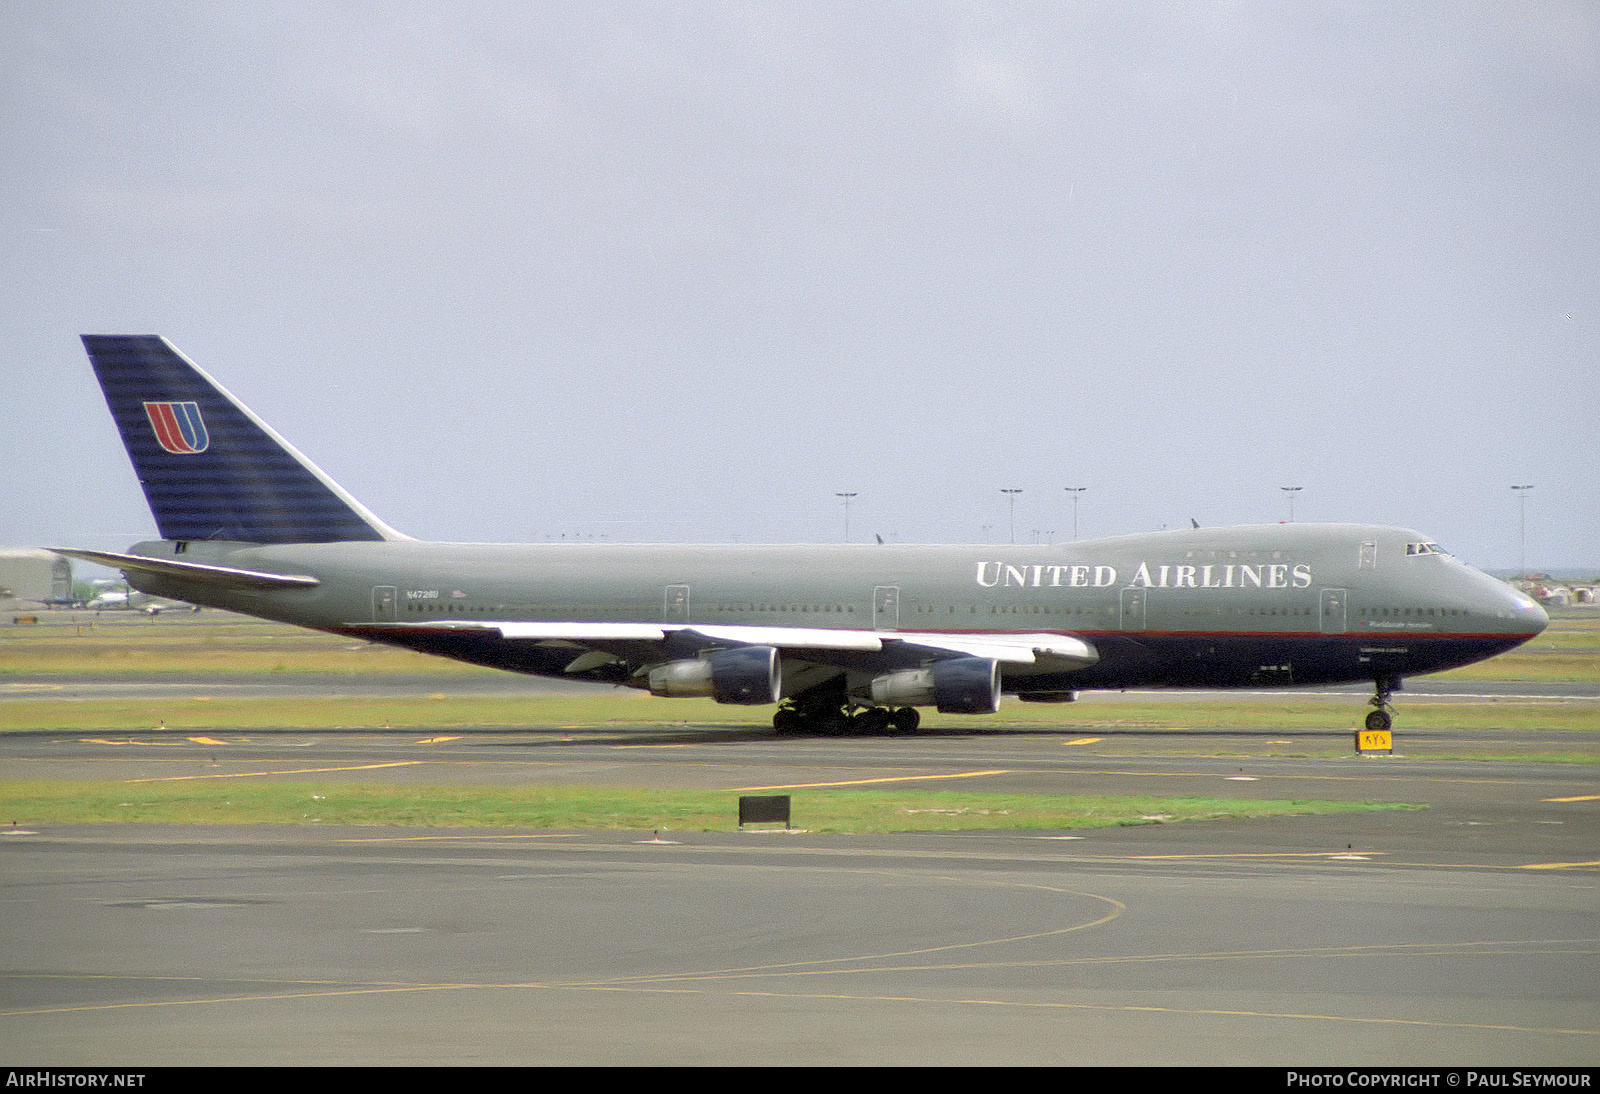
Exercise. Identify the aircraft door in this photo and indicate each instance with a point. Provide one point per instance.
(675, 604)
(1331, 611)
(886, 608)
(1133, 605)
(385, 604)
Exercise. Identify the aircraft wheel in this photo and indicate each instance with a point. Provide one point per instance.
(824, 721)
(874, 721)
(1384, 687)
(786, 720)
(906, 720)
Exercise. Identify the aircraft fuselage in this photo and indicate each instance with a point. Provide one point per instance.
(1228, 607)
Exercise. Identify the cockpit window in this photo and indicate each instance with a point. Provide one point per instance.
(1425, 549)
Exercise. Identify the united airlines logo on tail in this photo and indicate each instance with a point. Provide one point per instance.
(179, 427)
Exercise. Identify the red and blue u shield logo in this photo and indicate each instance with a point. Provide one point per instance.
(179, 427)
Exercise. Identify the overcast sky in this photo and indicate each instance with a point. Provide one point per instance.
(643, 271)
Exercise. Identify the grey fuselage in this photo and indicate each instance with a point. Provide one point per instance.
(1226, 607)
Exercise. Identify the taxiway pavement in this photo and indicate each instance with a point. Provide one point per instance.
(1465, 933)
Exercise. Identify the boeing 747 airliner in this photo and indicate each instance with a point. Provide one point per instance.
(842, 638)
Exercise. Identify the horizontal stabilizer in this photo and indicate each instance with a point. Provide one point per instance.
(191, 571)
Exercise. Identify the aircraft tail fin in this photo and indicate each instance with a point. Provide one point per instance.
(210, 468)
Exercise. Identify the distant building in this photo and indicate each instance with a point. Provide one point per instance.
(31, 576)
(1552, 595)
(1558, 594)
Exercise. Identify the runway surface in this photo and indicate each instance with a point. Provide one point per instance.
(1466, 933)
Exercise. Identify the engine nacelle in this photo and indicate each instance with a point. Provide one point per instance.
(961, 685)
(749, 676)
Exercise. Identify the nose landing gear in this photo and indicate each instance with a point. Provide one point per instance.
(1382, 717)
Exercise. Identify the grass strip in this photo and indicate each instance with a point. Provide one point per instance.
(33, 802)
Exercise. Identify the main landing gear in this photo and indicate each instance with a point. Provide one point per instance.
(826, 710)
(841, 721)
(1382, 716)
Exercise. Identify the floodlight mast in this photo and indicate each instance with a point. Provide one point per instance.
(1522, 528)
(1011, 496)
(1075, 491)
(1291, 491)
(846, 498)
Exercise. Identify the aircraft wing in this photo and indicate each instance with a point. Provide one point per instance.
(1057, 652)
(1009, 649)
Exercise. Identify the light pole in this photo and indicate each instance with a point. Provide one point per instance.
(1075, 491)
(846, 498)
(1011, 496)
(1522, 528)
(1291, 491)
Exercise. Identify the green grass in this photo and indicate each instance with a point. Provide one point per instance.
(574, 807)
(197, 648)
(135, 646)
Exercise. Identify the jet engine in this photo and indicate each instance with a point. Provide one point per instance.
(749, 675)
(961, 685)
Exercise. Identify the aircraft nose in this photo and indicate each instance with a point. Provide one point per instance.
(1523, 613)
(1533, 618)
(1505, 609)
